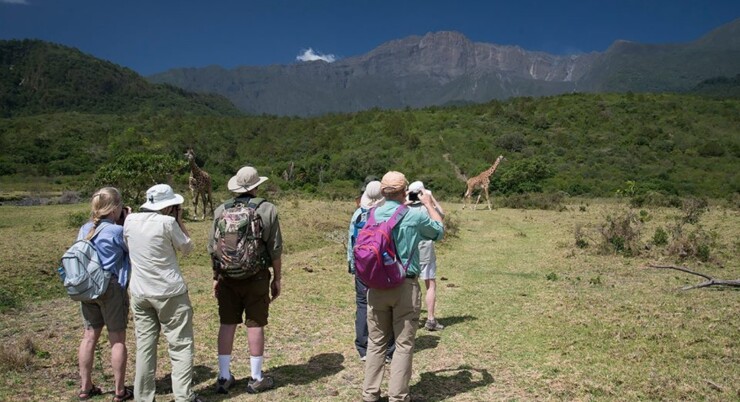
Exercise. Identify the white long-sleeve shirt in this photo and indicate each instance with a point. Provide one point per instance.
(153, 240)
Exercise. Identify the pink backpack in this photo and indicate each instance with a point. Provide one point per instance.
(376, 262)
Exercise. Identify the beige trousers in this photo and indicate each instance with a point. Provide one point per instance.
(391, 311)
(174, 316)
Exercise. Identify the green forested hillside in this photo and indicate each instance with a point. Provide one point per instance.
(41, 77)
(588, 144)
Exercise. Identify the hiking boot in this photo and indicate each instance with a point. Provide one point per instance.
(433, 325)
(223, 385)
(254, 386)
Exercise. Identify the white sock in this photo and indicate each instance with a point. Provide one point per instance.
(224, 369)
(255, 363)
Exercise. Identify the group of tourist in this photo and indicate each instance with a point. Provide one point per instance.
(140, 251)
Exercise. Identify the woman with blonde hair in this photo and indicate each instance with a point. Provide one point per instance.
(105, 231)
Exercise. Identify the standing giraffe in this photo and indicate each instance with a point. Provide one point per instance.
(481, 181)
(199, 183)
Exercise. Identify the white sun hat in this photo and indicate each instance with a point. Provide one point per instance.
(161, 196)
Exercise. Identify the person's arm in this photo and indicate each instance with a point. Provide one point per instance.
(429, 202)
(180, 236)
(276, 286)
(437, 206)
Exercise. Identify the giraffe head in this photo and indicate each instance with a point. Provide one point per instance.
(189, 154)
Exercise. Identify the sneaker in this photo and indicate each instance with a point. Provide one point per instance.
(433, 325)
(363, 358)
(254, 386)
(388, 359)
(223, 385)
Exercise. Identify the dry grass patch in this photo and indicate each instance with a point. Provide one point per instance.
(528, 314)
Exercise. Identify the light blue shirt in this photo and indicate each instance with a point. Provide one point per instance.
(112, 250)
(415, 226)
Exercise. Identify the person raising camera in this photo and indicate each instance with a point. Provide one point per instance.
(159, 295)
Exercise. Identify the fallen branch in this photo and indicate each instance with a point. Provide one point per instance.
(709, 282)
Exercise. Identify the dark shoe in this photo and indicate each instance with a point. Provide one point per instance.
(223, 385)
(433, 325)
(197, 398)
(255, 387)
(94, 391)
(128, 394)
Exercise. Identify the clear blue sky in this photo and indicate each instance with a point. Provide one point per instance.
(155, 35)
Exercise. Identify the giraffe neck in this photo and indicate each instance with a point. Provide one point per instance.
(194, 169)
(492, 169)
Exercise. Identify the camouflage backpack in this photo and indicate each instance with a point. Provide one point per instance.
(238, 240)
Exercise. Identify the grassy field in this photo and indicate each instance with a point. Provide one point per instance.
(528, 315)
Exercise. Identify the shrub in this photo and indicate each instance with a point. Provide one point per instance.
(452, 225)
(581, 237)
(695, 244)
(660, 237)
(621, 235)
(655, 199)
(693, 208)
(77, 219)
(8, 300)
(17, 356)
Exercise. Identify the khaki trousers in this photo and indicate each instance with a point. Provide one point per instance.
(391, 311)
(174, 316)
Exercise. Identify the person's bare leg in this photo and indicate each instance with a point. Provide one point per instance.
(431, 297)
(118, 358)
(85, 356)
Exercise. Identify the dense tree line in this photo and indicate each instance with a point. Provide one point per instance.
(581, 144)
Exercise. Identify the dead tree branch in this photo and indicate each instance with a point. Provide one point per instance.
(709, 280)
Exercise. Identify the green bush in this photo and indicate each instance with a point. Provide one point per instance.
(77, 219)
(621, 235)
(660, 237)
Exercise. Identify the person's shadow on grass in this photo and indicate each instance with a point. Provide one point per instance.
(439, 385)
(450, 321)
(425, 342)
(201, 374)
(321, 365)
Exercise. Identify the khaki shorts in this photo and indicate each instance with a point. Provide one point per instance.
(428, 271)
(110, 309)
(247, 297)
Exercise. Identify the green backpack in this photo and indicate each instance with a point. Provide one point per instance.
(238, 240)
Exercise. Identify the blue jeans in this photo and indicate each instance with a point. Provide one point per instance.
(361, 322)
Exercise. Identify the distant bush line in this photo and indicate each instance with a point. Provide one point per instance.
(579, 145)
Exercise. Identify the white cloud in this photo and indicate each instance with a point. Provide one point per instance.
(310, 55)
(23, 2)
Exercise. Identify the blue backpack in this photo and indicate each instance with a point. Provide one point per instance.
(82, 273)
(357, 225)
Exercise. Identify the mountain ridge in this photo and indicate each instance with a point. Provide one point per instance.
(442, 67)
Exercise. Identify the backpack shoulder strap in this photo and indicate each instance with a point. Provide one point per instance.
(255, 202)
(370, 216)
(364, 212)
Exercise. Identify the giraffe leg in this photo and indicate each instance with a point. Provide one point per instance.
(477, 200)
(487, 200)
(210, 200)
(195, 203)
(203, 203)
